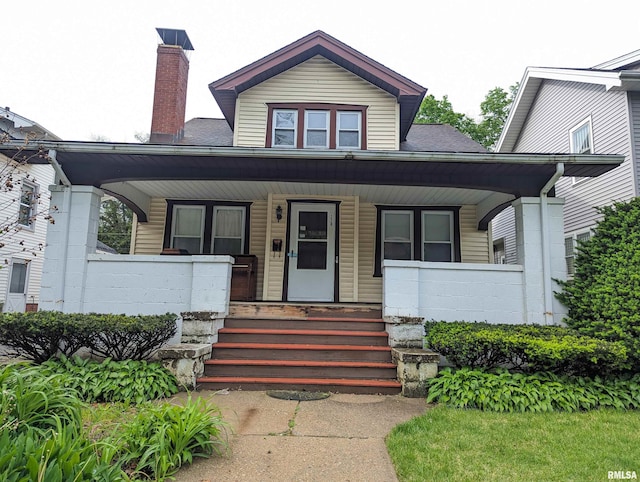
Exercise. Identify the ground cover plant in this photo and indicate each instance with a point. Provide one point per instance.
(47, 432)
(447, 444)
(602, 297)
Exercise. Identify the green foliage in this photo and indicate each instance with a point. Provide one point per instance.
(528, 348)
(503, 391)
(603, 296)
(494, 110)
(123, 337)
(41, 335)
(114, 228)
(163, 437)
(131, 381)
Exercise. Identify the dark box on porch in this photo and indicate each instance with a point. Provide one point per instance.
(244, 277)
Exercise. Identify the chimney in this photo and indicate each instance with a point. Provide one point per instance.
(170, 94)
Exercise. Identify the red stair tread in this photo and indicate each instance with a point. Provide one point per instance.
(300, 346)
(304, 363)
(269, 331)
(305, 381)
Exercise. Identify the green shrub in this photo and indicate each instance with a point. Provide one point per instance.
(41, 335)
(163, 437)
(132, 381)
(123, 337)
(603, 296)
(528, 348)
(503, 391)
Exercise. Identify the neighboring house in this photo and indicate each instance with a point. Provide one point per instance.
(317, 180)
(23, 208)
(569, 110)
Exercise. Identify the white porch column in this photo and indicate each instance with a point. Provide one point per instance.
(530, 252)
(71, 237)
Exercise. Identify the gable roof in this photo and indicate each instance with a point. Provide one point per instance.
(408, 93)
(420, 138)
(19, 127)
(612, 75)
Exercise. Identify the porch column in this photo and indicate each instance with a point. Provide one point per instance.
(72, 236)
(530, 252)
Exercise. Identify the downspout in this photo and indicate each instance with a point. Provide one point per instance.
(546, 260)
(66, 207)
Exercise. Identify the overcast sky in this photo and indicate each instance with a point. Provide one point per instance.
(86, 68)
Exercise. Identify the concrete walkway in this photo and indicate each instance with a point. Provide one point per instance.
(340, 438)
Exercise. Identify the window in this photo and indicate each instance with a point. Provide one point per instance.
(417, 233)
(316, 126)
(188, 228)
(285, 124)
(581, 142)
(228, 230)
(349, 124)
(570, 244)
(207, 227)
(27, 209)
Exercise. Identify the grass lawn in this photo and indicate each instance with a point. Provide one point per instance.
(448, 444)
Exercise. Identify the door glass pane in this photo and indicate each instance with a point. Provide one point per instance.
(18, 277)
(312, 255)
(437, 252)
(312, 225)
(437, 227)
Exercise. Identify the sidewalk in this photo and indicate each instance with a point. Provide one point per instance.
(340, 438)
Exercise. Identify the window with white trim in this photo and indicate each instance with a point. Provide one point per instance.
(187, 230)
(285, 128)
(571, 242)
(28, 202)
(397, 234)
(349, 130)
(228, 230)
(437, 236)
(316, 129)
(581, 142)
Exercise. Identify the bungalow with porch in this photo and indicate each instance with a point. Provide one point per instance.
(315, 199)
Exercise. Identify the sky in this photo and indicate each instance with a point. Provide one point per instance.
(86, 68)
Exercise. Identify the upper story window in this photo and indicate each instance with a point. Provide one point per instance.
(571, 244)
(581, 142)
(27, 209)
(207, 227)
(316, 126)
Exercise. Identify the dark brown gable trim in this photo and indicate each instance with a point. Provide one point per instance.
(333, 115)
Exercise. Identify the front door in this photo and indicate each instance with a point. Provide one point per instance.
(312, 252)
(17, 290)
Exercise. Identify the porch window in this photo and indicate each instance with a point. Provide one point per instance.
(187, 231)
(27, 209)
(207, 227)
(285, 123)
(417, 233)
(316, 129)
(228, 230)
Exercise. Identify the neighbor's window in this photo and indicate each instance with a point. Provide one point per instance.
(27, 209)
(317, 126)
(187, 231)
(581, 142)
(285, 125)
(228, 230)
(570, 244)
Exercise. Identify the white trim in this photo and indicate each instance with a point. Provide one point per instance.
(327, 128)
(424, 224)
(220, 207)
(383, 229)
(622, 61)
(295, 128)
(339, 129)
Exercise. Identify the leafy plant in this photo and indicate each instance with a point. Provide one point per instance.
(131, 381)
(503, 391)
(527, 348)
(163, 437)
(603, 296)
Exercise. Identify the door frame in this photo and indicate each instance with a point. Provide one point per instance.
(287, 248)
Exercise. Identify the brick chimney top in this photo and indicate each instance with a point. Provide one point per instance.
(170, 94)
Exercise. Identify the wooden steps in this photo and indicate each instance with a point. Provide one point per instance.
(302, 348)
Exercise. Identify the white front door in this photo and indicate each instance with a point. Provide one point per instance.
(17, 289)
(312, 252)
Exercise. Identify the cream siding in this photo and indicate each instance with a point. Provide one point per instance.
(149, 236)
(274, 276)
(369, 287)
(474, 244)
(317, 81)
(257, 239)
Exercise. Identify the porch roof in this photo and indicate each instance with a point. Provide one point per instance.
(118, 165)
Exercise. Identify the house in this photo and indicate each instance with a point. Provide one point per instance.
(314, 192)
(576, 110)
(24, 205)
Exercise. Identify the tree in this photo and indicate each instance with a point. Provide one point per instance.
(603, 297)
(494, 110)
(114, 228)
